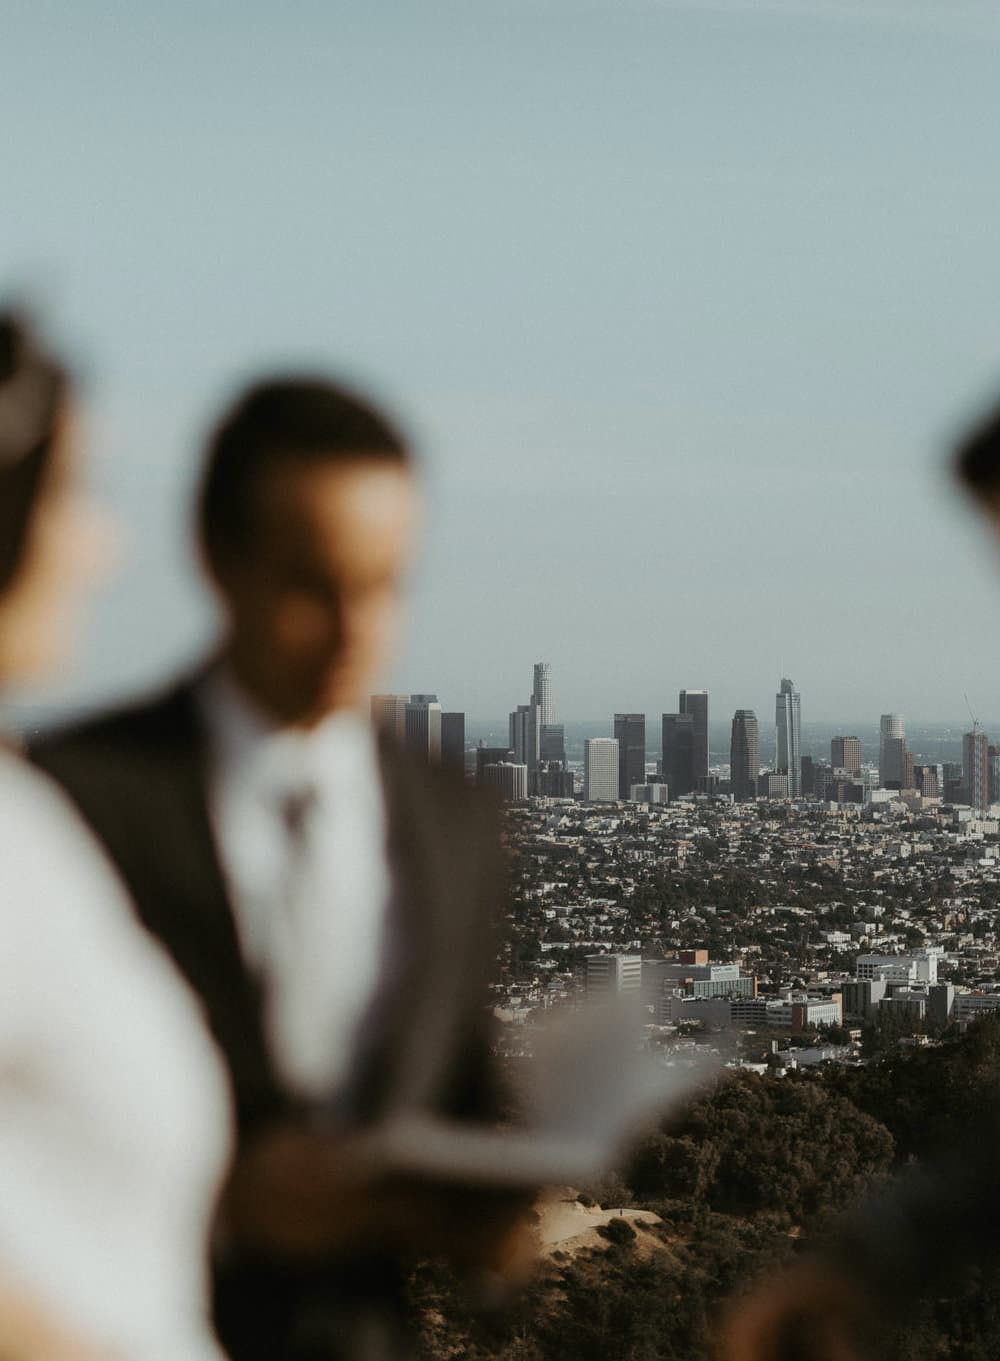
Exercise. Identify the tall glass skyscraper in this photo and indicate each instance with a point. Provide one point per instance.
(678, 753)
(525, 737)
(891, 750)
(744, 755)
(695, 703)
(976, 768)
(788, 720)
(630, 732)
(423, 726)
(541, 691)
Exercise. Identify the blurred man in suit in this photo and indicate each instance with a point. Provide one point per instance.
(328, 898)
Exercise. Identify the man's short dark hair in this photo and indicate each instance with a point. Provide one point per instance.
(978, 458)
(278, 421)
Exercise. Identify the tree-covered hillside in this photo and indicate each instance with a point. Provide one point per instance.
(750, 1179)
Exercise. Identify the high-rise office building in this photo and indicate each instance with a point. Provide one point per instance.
(630, 733)
(845, 754)
(423, 726)
(891, 745)
(528, 721)
(677, 764)
(788, 722)
(553, 742)
(993, 755)
(976, 768)
(389, 714)
(600, 770)
(526, 736)
(695, 703)
(509, 778)
(453, 741)
(541, 691)
(925, 780)
(744, 755)
(892, 763)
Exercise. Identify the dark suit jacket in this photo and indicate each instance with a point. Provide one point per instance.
(138, 776)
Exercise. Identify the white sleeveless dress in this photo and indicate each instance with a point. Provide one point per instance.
(114, 1118)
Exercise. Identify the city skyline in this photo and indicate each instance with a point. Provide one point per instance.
(685, 750)
(717, 715)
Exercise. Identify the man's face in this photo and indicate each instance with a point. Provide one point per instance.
(313, 601)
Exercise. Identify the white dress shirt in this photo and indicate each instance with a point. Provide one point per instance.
(114, 1123)
(300, 826)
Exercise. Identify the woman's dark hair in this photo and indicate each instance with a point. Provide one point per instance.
(33, 391)
(277, 421)
(978, 458)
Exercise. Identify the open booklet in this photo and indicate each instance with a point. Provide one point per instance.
(590, 1086)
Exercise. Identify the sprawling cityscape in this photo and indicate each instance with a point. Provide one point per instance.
(816, 909)
(812, 908)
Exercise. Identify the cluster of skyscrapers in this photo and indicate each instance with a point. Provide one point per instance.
(974, 781)
(683, 767)
(533, 761)
(420, 723)
(615, 767)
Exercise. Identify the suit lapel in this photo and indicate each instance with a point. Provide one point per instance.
(197, 918)
(407, 1050)
(182, 779)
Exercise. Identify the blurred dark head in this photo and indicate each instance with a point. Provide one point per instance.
(978, 461)
(305, 518)
(48, 544)
(34, 394)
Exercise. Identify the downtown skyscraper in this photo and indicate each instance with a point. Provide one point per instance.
(891, 751)
(541, 691)
(845, 754)
(525, 737)
(533, 737)
(630, 733)
(677, 764)
(552, 739)
(788, 741)
(453, 740)
(389, 714)
(600, 770)
(976, 769)
(695, 703)
(423, 727)
(744, 755)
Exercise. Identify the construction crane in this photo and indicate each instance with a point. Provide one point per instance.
(975, 720)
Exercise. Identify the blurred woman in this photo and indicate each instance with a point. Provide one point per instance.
(113, 1116)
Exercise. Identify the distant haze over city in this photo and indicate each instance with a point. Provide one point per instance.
(929, 742)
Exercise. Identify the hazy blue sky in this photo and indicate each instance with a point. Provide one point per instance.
(684, 301)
